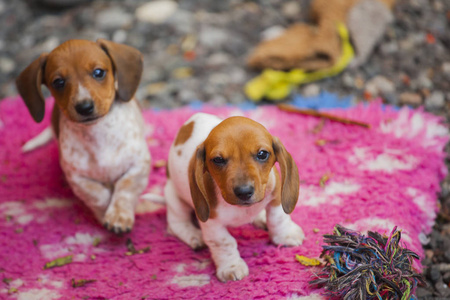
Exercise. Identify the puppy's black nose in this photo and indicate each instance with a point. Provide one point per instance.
(244, 192)
(85, 108)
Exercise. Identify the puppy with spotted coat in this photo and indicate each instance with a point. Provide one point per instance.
(224, 170)
(97, 122)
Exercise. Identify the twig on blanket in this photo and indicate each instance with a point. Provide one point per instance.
(315, 113)
(81, 282)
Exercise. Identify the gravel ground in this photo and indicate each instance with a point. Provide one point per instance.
(199, 53)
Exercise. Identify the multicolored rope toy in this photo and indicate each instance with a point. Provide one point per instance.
(367, 267)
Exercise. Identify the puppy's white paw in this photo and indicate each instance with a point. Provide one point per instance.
(292, 236)
(189, 234)
(118, 221)
(232, 271)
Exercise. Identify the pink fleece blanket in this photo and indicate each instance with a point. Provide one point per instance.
(380, 177)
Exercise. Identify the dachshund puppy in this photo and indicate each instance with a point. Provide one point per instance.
(225, 171)
(97, 121)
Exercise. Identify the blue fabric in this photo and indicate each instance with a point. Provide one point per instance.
(324, 100)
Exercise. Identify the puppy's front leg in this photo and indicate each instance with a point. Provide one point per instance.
(119, 216)
(224, 252)
(95, 194)
(282, 230)
(179, 218)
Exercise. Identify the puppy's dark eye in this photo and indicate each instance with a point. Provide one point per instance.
(99, 74)
(58, 83)
(220, 161)
(262, 155)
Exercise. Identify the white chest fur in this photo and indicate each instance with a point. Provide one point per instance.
(105, 150)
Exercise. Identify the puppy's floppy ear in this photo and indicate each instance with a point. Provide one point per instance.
(128, 65)
(289, 176)
(29, 87)
(201, 185)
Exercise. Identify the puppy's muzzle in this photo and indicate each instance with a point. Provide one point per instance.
(85, 108)
(244, 193)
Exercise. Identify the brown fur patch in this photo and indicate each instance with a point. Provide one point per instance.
(276, 193)
(167, 171)
(179, 152)
(184, 133)
(202, 184)
(55, 120)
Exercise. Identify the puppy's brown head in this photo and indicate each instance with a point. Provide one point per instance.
(82, 76)
(238, 156)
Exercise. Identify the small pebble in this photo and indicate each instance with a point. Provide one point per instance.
(435, 101)
(311, 90)
(156, 12)
(408, 98)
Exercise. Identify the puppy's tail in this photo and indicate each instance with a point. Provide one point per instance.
(38, 141)
(155, 198)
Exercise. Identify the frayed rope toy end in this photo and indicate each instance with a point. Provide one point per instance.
(367, 267)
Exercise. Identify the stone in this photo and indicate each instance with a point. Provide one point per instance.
(389, 48)
(113, 18)
(435, 274)
(409, 98)
(424, 81)
(156, 12)
(446, 68)
(291, 9)
(119, 36)
(435, 101)
(183, 21)
(7, 65)
(237, 76)
(442, 288)
(348, 80)
(272, 32)
(311, 90)
(423, 292)
(186, 96)
(213, 37)
(218, 59)
(380, 86)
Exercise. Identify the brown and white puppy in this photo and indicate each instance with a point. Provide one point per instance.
(97, 121)
(225, 171)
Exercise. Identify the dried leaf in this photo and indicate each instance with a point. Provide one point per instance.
(81, 282)
(306, 261)
(160, 163)
(59, 262)
(324, 180)
(132, 250)
(96, 241)
(7, 280)
(320, 142)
